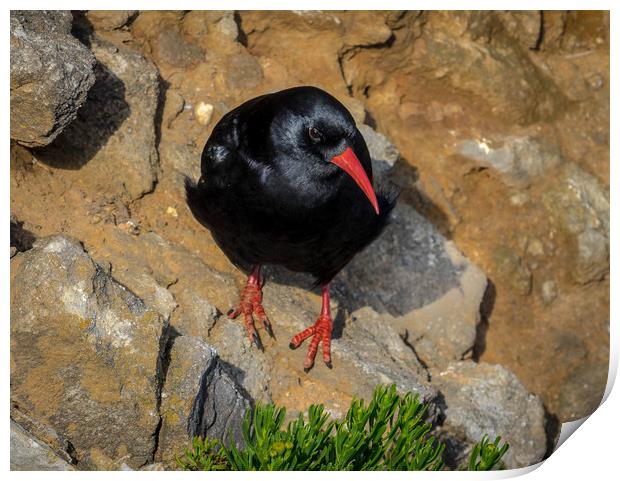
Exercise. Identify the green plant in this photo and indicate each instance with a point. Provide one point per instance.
(484, 456)
(205, 455)
(387, 434)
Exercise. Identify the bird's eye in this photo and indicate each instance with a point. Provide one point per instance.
(315, 134)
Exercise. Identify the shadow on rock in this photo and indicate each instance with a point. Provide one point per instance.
(21, 239)
(98, 119)
(405, 176)
(406, 268)
(486, 308)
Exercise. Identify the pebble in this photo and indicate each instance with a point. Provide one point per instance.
(203, 113)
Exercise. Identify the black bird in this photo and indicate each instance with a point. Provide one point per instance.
(286, 178)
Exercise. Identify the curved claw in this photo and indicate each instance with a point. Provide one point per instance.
(251, 307)
(321, 333)
(257, 341)
(267, 326)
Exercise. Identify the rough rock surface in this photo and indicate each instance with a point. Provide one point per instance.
(581, 206)
(383, 153)
(199, 399)
(518, 160)
(431, 297)
(30, 454)
(51, 73)
(488, 399)
(115, 130)
(110, 19)
(95, 347)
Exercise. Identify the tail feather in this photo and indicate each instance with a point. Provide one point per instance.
(194, 195)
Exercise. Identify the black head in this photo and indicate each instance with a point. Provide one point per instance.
(310, 121)
(311, 135)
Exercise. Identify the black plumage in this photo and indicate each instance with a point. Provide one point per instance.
(286, 179)
(269, 194)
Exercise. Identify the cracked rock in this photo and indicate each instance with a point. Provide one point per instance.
(51, 73)
(85, 354)
(488, 399)
(30, 454)
(199, 398)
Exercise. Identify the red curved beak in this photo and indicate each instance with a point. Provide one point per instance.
(349, 162)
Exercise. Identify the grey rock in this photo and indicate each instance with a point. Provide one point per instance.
(431, 295)
(51, 73)
(580, 204)
(196, 316)
(422, 273)
(114, 131)
(249, 367)
(445, 329)
(172, 48)
(519, 160)
(180, 161)
(30, 454)
(243, 71)
(219, 407)
(376, 348)
(383, 153)
(227, 26)
(199, 398)
(86, 353)
(488, 399)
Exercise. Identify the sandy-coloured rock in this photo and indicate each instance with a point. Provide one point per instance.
(86, 353)
(109, 19)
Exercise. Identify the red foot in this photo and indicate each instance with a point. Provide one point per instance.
(251, 303)
(320, 332)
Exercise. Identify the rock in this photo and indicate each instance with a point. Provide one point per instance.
(431, 295)
(203, 113)
(511, 267)
(519, 160)
(383, 153)
(249, 367)
(51, 73)
(114, 131)
(29, 454)
(243, 72)
(488, 399)
(580, 205)
(180, 161)
(199, 399)
(376, 348)
(423, 273)
(109, 19)
(548, 291)
(172, 49)
(86, 354)
(525, 26)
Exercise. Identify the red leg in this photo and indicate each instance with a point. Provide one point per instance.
(321, 332)
(251, 303)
